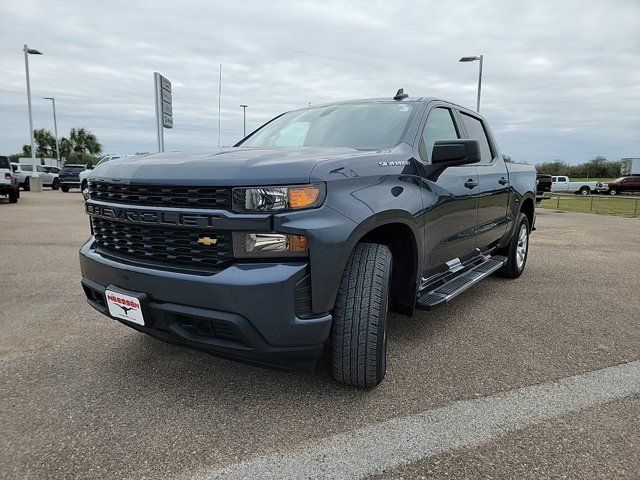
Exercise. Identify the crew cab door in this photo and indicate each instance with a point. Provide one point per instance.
(450, 195)
(493, 188)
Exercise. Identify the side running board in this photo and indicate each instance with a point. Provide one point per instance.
(454, 287)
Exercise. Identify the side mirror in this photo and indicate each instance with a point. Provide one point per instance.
(448, 153)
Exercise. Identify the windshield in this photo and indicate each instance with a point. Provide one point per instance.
(363, 126)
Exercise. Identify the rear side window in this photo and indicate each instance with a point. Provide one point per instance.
(439, 126)
(476, 131)
(26, 168)
(4, 163)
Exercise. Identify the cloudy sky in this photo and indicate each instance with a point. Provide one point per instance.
(561, 78)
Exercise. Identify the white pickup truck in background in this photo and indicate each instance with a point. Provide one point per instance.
(561, 183)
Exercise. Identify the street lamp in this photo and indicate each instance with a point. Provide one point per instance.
(31, 51)
(55, 128)
(473, 59)
(244, 120)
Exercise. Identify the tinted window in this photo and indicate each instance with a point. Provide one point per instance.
(475, 130)
(439, 126)
(26, 168)
(73, 169)
(4, 162)
(562, 179)
(363, 126)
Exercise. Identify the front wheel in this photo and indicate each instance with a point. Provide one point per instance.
(359, 331)
(517, 251)
(613, 191)
(26, 187)
(55, 185)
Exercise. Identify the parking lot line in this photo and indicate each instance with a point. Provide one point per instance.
(374, 449)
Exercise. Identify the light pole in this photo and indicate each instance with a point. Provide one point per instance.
(244, 120)
(31, 51)
(472, 59)
(55, 128)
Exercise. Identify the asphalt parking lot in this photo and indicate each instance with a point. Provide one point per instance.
(532, 378)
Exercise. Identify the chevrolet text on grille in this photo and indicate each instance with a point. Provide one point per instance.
(152, 217)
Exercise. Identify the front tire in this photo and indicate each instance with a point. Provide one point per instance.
(359, 331)
(613, 191)
(56, 184)
(517, 251)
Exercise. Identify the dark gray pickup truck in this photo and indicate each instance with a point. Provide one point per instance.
(308, 232)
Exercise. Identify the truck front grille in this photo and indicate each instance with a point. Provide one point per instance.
(176, 246)
(161, 195)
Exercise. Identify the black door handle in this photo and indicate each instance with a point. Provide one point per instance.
(471, 183)
(503, 181)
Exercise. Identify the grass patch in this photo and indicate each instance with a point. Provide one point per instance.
(595, 179)
(627, 207)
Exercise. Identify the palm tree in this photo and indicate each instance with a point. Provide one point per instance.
(45, 142)
(65, 147)
(82, 140)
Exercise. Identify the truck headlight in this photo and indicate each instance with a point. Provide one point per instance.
(273, 199)
(262, 245)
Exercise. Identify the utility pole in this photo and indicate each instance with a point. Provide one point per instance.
(219, 105)
(37, 185)
(473, 59)
(55, 128)
(244, 120)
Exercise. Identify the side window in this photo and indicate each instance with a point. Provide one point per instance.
(439, 126)
(476, 131)
(562, 179)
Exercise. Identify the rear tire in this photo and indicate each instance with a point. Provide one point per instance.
(64, 189)
(27, 187)
(14, 195)
(55, 185)
(359, 331)
(585, 191)
(517, 250)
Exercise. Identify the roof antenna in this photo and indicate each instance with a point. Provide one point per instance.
(401, 95)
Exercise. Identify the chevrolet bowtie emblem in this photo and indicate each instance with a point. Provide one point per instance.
(208, 241)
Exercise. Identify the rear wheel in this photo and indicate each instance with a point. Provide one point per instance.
(27, 187)
(55, 185)
(359, 332)
(585, 191)
(14, 195)
(64, 188)
(517, 250)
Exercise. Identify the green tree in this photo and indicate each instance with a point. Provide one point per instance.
(84, 141)
(45, 142)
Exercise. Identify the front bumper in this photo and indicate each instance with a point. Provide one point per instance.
(245, 312)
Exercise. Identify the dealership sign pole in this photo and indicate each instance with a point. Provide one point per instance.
(164, 107)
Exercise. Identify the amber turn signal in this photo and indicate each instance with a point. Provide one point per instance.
(303, 197)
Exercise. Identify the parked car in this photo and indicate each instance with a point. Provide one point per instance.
(543, 187)
(103, 160)
(266, 251)
(70, 176)
(51, 169)
(9, 186)
(25, 171)
(562, 183)
(620, 185)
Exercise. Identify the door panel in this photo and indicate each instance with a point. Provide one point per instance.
(493, 203)
(450, 216)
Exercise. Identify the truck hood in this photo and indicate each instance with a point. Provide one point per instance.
(232, 166)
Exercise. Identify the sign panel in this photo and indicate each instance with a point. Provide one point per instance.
(166, 84)
(167, 121)
(166, 96)
(167, 108)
